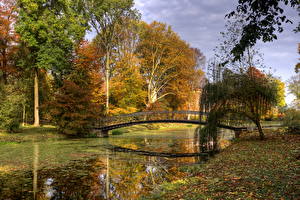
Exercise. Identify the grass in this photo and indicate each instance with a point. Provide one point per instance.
(147, 127)
(30, 133)
(46, 132)
(248, 169)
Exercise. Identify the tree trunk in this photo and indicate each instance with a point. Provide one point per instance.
(24, 113)
(107, 82)
(261, 133)
(36, 99)
(3, 78)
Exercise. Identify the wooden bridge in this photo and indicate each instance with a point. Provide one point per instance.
(102, 126)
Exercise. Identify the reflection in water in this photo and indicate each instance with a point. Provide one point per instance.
(49, 190)
(107, 175)
(35, 168)
(79, 169)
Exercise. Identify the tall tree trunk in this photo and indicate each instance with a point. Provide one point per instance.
(107, 81)
(36, 99)
(3, 64)
(261, 133)
(24, 113)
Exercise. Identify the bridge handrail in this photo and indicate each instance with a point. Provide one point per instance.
(149, 113)
(136, 114)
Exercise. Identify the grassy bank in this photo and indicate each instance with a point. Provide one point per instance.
(248, 169)
(30, 133)
(147, 127)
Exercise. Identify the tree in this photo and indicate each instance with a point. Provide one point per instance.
(280, 92)
(11, 103)
(294, 88)
(48, 30)
(229, 39)
(237, 97)
(74, 107)
(163, 58)
(294, 85)
(264, 19)
(186, 87)
(8, 39)
(128, 94)
(277, 110)
(105, 16)
(292, 120)
(127, 84)
(297, 67)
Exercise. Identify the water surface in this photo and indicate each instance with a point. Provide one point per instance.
(86, 169)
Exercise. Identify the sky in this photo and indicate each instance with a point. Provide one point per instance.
(199, 22)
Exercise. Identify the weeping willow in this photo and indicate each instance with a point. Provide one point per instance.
(235, 98)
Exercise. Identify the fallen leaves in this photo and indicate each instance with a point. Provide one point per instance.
(249, 169)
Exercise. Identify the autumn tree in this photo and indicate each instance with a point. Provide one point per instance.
(127, 92)
(48, 29)
(163, 58)
(75, 104)
(127, 84)
(104, 17)
(8, 39)
(185, 88)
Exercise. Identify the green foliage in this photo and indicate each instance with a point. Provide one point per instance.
(264, 19)
(49, 36)
(294, 86)
(292, 120)
(127, 88)
(237, 96)
(11, 101)
(117, 132)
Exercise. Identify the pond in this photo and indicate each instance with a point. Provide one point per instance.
(86, 169)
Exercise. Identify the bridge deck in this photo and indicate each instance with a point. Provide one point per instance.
(187, 117)
(196, 122)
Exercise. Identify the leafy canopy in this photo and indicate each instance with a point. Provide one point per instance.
(264, 19)
(50, 29)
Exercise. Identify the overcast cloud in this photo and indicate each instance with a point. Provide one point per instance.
(199, 22)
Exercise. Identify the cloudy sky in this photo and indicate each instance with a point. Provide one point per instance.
(199, 22)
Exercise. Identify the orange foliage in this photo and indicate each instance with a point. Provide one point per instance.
(8, 38)
(255, 73)
(89, 58)
(77, 103)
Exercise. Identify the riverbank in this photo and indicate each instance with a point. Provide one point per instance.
(31, 133)
(48, 132)
(248, 169)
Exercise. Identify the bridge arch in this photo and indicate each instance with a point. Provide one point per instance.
(104, 125)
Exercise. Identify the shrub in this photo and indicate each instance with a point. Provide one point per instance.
(117, 132)
(10, 108)
(292, 120)
(72, 110)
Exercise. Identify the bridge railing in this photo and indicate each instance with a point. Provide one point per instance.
(148, 116)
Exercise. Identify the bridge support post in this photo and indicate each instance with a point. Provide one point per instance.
(104, 133)
(237, 133)
(100, 133)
